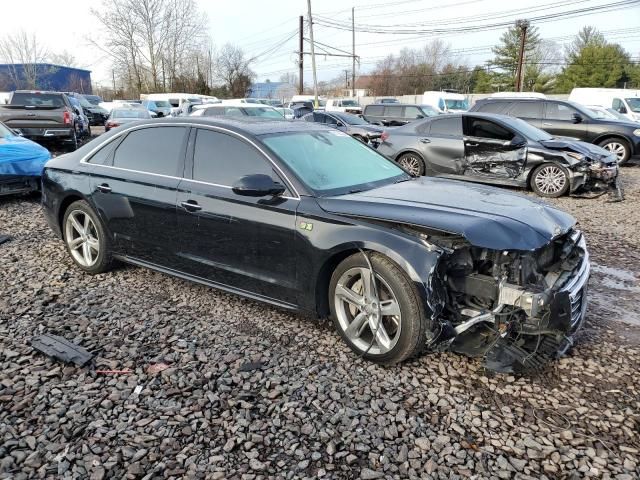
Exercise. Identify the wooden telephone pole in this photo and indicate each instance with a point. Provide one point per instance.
(523, 25)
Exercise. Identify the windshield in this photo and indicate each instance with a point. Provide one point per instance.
(634, 104)
(456, 104)
(529, 131)
(349, 103)
(83, 101)
(262, 112)
(602, 113)
(130, 113)
(161, 103)
(93, 99)
(5, 132)
(333, 163)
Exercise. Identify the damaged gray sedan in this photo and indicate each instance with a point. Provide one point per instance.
(502, 150)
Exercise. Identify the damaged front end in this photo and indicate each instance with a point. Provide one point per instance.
(515, 309)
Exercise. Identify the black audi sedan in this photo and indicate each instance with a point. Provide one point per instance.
(306, 218)
(348, 123)
(501, 150)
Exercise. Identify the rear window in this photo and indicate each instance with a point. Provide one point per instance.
(37, 99)
(374, 110)
(526, 110)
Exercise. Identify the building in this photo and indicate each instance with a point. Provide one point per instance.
(44, 76)
(275, 90)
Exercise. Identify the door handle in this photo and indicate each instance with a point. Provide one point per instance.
(191, 206)
(547, 124)
(104, 188)
(472, 144)
(425, 140)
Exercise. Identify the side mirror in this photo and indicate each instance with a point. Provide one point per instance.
(518, 141)
(577, 118)
(339, 124)
(258, 185)
(622, 109)
(76, 111)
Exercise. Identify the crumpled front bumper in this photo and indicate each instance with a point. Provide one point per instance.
(595, 180)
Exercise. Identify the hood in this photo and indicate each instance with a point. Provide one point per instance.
(19, 156)
(587, 149)
(486, 216)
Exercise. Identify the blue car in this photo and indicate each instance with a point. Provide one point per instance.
(21, 163)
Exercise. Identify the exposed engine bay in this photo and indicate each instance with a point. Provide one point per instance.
(517, 310)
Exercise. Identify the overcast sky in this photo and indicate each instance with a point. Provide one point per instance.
(256, 25)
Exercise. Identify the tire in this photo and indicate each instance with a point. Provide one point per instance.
(93, 238)
(72, 143)
(550, 180)
(89, 132)
(412, 163)
(619, 147)
(399, 336)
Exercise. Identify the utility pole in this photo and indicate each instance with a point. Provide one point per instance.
(523, 25)
(301, 59)
(113, 77)
(313, 57)
(353, 44)
(346, 79)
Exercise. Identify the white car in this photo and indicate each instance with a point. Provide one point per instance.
(346, 105)
(446, 102)
(236, 109)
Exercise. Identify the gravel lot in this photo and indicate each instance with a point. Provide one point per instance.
(254, 392)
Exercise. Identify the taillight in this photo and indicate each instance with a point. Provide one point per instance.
(66, 118)
(384, 136)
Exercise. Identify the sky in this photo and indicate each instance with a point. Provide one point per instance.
(258, 25)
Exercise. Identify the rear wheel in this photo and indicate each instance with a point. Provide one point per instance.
(550, 180)
(86, 238)
(619, 147)
(412, 163)
(377, 312)
(72, 143)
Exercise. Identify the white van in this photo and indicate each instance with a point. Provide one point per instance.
(446, 102)
(348, 105)
(627, 102)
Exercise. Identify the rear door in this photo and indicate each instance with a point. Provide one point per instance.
(374, 113)
(559, 121)
(239, 241)
(489, 151)
(135, 191)
(441, 145)
(393, 116)
(529, 111)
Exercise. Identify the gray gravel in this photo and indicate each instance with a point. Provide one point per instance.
(237, 389)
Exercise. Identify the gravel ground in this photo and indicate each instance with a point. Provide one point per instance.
(249, 391)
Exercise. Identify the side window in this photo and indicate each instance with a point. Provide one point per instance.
(479, 127)
(375, 110)
(104, 155)
(233, 111)
(309, 117)
(526, 110)
(329, 120)
(618, 106)
(493, 107)
(449, 126)
(224, 159)
(412, 112)
(423, 128)
(214, 111)
(393, 111)
(558, 111)
(153, 150)
(317, 117)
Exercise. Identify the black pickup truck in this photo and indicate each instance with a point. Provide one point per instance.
(42, 117)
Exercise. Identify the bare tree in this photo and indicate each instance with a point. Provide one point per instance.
(25, 49)
(64, 58)
(233, 70)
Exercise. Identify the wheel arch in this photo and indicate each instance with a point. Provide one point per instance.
(71, 197)
(615, 136)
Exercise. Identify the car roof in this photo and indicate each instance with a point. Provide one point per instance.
(250, 125)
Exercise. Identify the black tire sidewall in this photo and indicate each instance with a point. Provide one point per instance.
(419, 157)
(562, 192)
(622, 142)
(413, 320)
(104, 255)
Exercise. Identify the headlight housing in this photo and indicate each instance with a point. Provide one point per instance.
(578, 156)
(636, 132)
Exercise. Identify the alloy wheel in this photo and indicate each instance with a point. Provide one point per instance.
(617, 149)
(550, 180)
(82, 238)
(412, 164)
(368, 311)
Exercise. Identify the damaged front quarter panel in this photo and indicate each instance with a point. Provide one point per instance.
(517, 310)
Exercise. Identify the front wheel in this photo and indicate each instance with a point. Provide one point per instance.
(377, 311)
(86, 239)
(550, 180)
(620, 148)
(412, 163)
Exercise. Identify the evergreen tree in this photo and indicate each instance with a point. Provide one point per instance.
(508, 51)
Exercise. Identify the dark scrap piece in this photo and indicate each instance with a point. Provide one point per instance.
(4, 238)
(61, 349)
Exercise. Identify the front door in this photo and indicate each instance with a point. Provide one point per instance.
(239, 241)
(560, 121)
(441, 146)
(491, 151)
(135, 191)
